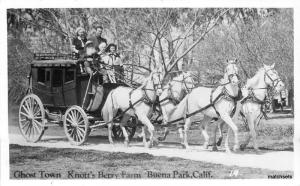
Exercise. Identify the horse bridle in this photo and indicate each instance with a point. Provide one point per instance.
(274, 81)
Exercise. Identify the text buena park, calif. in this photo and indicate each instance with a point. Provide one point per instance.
(103, 175)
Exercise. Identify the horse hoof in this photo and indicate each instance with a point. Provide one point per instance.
(257, 151)
(235, 148)
(228, 151)
(149, 145)
(155, 143)
(126, 143)
(215, 148)
(242, 147)
(161, 139)
(219, 142)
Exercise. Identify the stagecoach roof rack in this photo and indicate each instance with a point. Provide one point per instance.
(53, 59)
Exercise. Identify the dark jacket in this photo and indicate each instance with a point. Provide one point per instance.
(77, 43)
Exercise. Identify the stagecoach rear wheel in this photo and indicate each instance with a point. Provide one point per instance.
(76, 125)
(32, 118)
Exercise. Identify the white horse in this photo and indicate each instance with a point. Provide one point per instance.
(211, 103)
(172, 94)
(133, 102)
(254, 94)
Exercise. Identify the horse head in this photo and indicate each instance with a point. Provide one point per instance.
(156, 77)
(180, 85)
(188, 81)
(231, 72)
(272, 78)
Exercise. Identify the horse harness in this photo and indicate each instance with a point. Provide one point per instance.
(223, 95)
(252, 98)
(171, 96)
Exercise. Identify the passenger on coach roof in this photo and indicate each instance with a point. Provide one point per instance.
(78, 42)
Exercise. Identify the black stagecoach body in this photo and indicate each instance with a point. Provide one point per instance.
(61, 92)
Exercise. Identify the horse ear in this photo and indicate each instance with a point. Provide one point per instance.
(235, 60)
(265, 66)
(273, 65)
(227, 61)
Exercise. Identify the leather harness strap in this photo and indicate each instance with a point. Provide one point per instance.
(251, 97)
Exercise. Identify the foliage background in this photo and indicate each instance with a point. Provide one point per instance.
(200, 40)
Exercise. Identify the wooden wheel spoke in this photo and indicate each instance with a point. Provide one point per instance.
(33, 130)
(27, 105)
(25, 108)
(76, 135)
(72, 132)
(78, 116)
(37, 111)
(39, 118)
(71, 122)
(73, 116)
(30, 127)
(30, 104)
(25, 124)
(80, 123)
(80, 133)
(26, 115)
(38, 124)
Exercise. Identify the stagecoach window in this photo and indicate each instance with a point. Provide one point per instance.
(69, 75)
(57, 78)
(47, 75)
(41, 75)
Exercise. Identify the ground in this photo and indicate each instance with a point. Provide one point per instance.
(96, 156)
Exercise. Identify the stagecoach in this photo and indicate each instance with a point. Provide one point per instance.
(60, 92)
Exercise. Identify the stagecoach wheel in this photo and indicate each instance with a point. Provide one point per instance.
(32, 118)
(76, 125)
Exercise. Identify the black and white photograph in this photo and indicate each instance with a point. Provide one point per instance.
(192, 93)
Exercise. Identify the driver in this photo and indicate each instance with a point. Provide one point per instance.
(90, 62)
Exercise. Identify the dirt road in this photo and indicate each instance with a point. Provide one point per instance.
(278, 160)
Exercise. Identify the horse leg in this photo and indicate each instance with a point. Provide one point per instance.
(246, 142)
(205, 135)
(180, 131)
(234, 128)
(254, 135)
(144, 136)
(144, 119)
(122, 125)
(187, 125)
(109, 128)
(227, 149)
(219, 125)
(166, 132)
(206, 120)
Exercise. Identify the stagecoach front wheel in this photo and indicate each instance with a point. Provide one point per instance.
(76, 125)
(32, 118)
